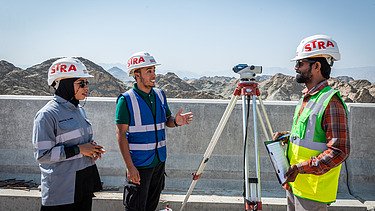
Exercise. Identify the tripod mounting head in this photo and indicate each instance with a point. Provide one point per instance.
(247, 88)
(247, 72)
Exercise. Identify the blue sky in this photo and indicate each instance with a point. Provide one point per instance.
(204, 37)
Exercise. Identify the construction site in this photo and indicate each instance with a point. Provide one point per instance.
(221, 185)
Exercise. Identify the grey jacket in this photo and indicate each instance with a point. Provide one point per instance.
(57, 125)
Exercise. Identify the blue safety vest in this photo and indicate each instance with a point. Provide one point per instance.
(146, 133)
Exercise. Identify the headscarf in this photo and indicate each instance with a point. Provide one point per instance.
(66, 90)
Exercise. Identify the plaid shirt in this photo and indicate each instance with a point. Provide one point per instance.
(335, 124)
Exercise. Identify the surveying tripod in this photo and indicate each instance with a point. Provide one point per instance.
(248, 89)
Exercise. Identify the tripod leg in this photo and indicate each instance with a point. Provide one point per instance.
(265, 115)
(210, 147)
(257, 154)
(253, 184)
(254, 202)
(245, 145)
(262, 124)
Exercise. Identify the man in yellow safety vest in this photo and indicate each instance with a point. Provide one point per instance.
(319, 138)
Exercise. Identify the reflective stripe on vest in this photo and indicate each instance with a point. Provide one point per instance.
(68, 136)
(150, 146)
(138, 127)
(310, 142)
(143, 128)
(135, 106)
(63, 137)
(161, 97)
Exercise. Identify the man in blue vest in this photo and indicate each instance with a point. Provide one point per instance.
(319, 139)
(142, 113)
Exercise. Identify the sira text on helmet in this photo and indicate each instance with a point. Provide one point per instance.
(63, 68)
(318, 44)
(135, 60)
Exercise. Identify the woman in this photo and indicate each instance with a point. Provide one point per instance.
(63, 144)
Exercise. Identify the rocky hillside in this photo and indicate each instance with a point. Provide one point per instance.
(357, 91)
(277, 87)
(33, 81)
(119, 74)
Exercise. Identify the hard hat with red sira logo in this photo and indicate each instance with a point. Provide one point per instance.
(318, 46)
(66, 68)
(139, 60)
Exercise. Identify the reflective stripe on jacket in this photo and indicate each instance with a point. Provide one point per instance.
(57, 125)
(146, 133)
(308, 139)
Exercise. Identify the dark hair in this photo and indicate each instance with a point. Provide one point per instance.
(325, 68)
(136, 71)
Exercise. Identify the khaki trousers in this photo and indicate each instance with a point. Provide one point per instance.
(299, 204)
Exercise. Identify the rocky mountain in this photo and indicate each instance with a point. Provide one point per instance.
(357, 91)
(120, 74)
(277, 87)
(281, 87)
(23, 82)
(33, 81)
(178, 88)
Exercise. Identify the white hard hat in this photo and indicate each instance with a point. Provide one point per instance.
(318, 46)
(139, 60)
(66, 68)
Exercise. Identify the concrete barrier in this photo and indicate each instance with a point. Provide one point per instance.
(186, 146)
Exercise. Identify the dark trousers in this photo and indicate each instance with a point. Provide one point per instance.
(145, 197)
(84, 205)
(87, 182)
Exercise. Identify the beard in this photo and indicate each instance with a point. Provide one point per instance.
(304, 77)
(146, 83)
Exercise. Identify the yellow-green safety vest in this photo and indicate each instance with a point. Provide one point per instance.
(308, 139)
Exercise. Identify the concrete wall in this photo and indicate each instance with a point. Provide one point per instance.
(186, 145)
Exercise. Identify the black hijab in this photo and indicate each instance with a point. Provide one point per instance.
(66, 90)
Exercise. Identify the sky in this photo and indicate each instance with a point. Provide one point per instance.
(206, 37)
